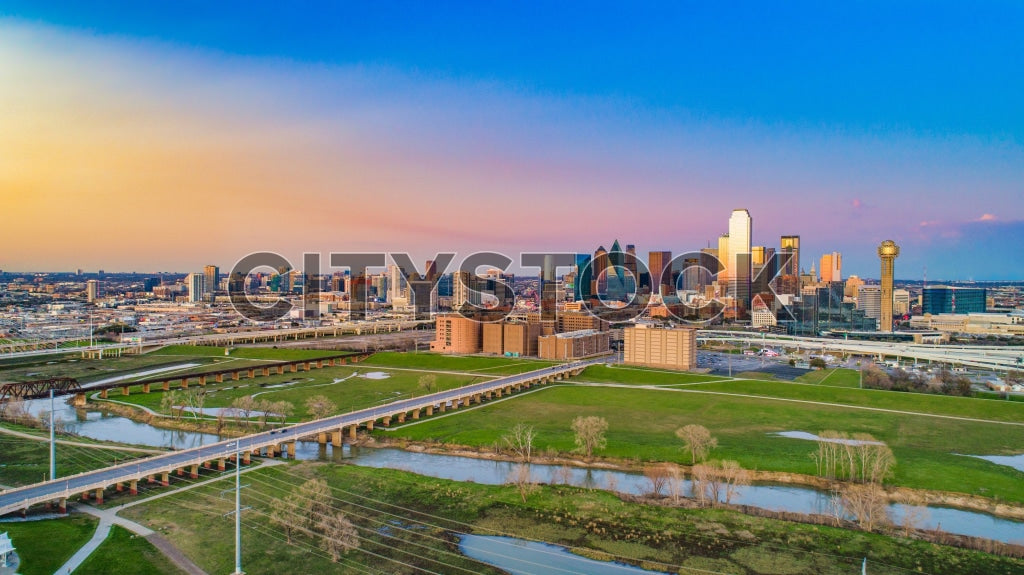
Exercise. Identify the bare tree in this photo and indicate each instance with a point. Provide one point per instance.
(589, 434)
(15, 411)
(319, 407)
(244, 405)
(285, 513)
(611, 483)
(858, 458)
(520, 441)
(316, 497)
(428, 382)
(338, 535)
(866, 503)
(522, 479)
(194, 399)
(282, 409)
(915, 513)
(675, 481)
(732, 477)
(561, 475)
(697, 440)
(171, 402)
(704, 486)
(658, 476)
(718, 481)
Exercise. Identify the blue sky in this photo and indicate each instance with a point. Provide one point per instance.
(846, 124)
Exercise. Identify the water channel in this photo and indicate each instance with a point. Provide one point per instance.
(108, 427)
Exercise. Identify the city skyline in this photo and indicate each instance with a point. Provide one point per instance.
(127, 133)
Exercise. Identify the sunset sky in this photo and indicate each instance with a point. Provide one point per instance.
(146, 137)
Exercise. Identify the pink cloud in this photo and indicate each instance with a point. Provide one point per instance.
(987, 218)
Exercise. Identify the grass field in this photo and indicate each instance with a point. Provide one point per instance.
(339, 384)
(267, 353)
(26, 461)
(126, 554)
(47, 544)
(916, 402)
(642, 424)
(473, 364)
(834, 376)
(403, 518)
(642, 376)
(208, 358)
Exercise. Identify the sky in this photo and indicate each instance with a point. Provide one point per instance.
(151, 137)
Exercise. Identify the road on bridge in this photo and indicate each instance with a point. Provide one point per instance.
(65, 487)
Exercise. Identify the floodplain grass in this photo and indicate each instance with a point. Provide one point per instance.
(642, 424)
(435, 361)
(935, 404)
(351, 392)
(632, 375)
(27, 461)
(595, 522)
(833, 377)
(194, 523)
(45, 545)
(124, 553)
(209, 358)
(267, 353)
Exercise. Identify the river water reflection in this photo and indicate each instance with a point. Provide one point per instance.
(108, 427)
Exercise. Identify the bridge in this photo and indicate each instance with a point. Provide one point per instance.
(38, 389)
(48, 347)
(66, 385)
(999, 358)
(158, 469)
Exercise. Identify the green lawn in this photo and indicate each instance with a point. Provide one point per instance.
(338, 384)
(268, 353)
(916, 402)
(835, 376)
(47, 544)
(126, 554)
(642, 424)
(418, 513)
(642, 375)
(476, 364)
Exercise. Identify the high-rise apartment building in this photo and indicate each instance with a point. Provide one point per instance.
(196, 284)
(398, 286)
(211, 279)
(92, 290)
(888, 251)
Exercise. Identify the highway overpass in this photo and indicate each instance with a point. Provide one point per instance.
(999, 358)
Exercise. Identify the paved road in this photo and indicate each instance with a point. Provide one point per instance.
(16, 499)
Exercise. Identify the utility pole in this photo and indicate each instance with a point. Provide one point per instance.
(238, 511)
(53, 444)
